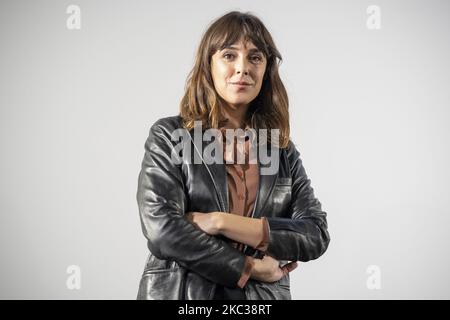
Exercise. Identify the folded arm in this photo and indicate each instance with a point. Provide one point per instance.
(303, 235)
(162, 203)
(253, 232)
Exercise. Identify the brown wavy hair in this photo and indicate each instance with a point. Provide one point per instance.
(201, 102)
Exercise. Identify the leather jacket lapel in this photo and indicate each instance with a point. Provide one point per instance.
(218, 174)
(266, 184)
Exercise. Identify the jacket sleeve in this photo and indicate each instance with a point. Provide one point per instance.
(303, 236)
(162, 202)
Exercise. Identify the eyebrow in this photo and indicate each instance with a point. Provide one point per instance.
(251, 50)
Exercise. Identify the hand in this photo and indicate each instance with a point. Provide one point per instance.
(268, 269)
(207, 222)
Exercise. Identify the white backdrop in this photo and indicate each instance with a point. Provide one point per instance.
(369, 113)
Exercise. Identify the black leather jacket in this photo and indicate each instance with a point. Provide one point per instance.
(185, 262)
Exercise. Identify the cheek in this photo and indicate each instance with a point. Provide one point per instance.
(262, 72)
(221, 70)
(260, 79)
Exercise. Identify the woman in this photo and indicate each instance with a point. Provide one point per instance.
(232, 228)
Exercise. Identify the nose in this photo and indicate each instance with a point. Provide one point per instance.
(241, 66)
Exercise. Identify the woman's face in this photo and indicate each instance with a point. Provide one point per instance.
(238, 73)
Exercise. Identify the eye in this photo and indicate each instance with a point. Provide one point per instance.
(257, 58)
(227, 55)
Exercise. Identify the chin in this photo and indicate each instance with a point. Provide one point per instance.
(239, 102)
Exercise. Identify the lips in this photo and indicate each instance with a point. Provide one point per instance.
(243, 83)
